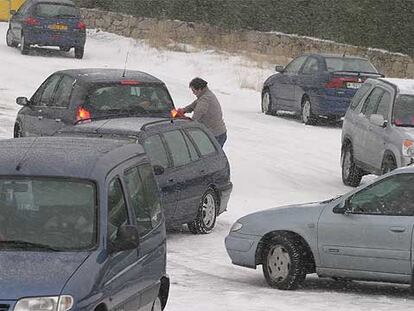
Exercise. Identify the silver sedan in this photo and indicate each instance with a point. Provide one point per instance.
(366, 234)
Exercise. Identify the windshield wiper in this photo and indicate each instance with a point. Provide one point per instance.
(331, 199)
(26, 244)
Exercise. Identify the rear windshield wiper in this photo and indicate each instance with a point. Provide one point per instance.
(26, 244)
(66, 15)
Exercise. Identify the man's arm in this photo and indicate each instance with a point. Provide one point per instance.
(200, 109)
(190, 107)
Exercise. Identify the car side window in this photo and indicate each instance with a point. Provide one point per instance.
(294, 66)
(393, 196)
(311, 66)
(142, 193)
(178, 148)
(63, 91)
(384, 105)
(156, 151)
(371, 103)
(359, 95)
(193, 152)
(48, 90)
(203, 142)
(117, 209)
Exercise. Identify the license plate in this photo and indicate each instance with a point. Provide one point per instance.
(58, 27)
(353, 85)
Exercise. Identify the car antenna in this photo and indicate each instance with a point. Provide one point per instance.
(126, 60)
(19, 165)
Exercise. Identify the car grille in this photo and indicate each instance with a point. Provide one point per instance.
(4, 307)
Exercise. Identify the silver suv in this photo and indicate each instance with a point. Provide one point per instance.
(378, 129)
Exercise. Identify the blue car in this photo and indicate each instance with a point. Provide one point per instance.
(81, 227)
(316, 85)
(47, 23)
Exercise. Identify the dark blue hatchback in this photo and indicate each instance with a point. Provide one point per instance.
(47, 23)
(316, 85)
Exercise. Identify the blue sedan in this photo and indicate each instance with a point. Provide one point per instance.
(366, 234)
(316, 85)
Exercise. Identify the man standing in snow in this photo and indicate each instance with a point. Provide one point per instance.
(206, 109)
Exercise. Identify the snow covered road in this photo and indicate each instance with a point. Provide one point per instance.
(274, 161)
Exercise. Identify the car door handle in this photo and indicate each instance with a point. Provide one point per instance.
(40, 117)
(58, 120)
(397, 229)
(202, 171)
(171, 180)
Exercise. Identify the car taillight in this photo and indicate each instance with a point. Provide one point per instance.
(31, 21)
(129, 82)
(82, 114)
(81, 26)
(340, 82)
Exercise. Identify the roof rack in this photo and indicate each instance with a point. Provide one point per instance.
(171, 120)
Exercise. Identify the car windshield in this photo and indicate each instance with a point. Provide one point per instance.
(56, 10)
(349, 64)
(403, 114)
(129, 99)
(47, 214)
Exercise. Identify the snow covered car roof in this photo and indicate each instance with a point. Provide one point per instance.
(405, 86)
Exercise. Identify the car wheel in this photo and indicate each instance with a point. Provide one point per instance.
(17, 131)
(351, 173)
(24, 48)
(388, 165)
(157, 305)
(307, 116)
(64, 48)
(206, 215)
(267, 103)
(9, 39)
(79, 51)
(283, 263)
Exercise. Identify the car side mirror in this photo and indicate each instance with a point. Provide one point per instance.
(22, 101)
(158, 170)
(126, 239)
(378, 120)
(13, 12)
(279, 68)
(342, 208)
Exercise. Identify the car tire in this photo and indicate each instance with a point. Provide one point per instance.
(388, 165)
(79, 51)
(9, 39)
(283, 263)
(17, 131)
(24, 48)
(267, 103)
(157, 305)
(206, 215)
(307, 116)
(351, 173)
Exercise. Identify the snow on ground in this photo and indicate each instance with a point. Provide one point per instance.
(274, 161)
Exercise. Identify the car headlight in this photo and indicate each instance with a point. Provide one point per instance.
(408, 148)
(57, 303)
(236, 227)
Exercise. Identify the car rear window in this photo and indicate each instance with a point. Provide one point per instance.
(349, 64)
(56, 10)
(403, 113)
(117, 98)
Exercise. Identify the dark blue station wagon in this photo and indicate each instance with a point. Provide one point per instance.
(81, 226)
(47, 23)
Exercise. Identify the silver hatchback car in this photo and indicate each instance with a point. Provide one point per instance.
(378, 129)
(366, 234)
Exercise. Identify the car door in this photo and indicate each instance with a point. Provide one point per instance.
(56, 113)
(156, 150)
(361, 142)
(308, 81)
(143, 197)
(32, 115)
(283, 87)
(122, 268)
(375, 232)
(186, 173)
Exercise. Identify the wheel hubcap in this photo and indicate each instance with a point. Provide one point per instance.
(209, 210)
(306, 112)
(266, 102)
(278, 263)
(347, 163)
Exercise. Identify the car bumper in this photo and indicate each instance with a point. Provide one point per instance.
(55, 38)
(331, 104)
(225, 192)
(242, 249)
(405, 161)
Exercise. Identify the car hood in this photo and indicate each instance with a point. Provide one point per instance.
(282, 218)
(407, 132)
(28, 274)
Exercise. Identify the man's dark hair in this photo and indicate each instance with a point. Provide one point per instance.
(198, 83)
